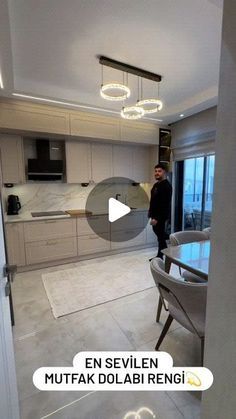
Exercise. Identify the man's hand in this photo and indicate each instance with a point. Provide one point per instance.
(153, 222)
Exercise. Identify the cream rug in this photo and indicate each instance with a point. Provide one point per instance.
(96, 282)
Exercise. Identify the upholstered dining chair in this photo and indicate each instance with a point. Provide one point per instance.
(185, 302)
(182, 237)
(207, 230)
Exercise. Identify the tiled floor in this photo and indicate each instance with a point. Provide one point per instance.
(124, 324)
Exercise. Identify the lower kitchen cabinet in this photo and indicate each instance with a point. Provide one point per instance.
(49, 229)
(151, 236)
(15, 243)
(50, 250)
(99, 223)
(125, 238)
(93, 244)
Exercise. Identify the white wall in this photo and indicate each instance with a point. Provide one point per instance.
(220, 350)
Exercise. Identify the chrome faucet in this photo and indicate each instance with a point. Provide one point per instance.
(117, 195)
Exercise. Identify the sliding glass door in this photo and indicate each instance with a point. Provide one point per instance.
(194, 186)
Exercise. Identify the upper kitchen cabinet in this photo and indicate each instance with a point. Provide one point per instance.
(139, 132)
(26, 116)
(94, 126)
(78, 162)
(101, 162)
(141, 164)
(123, 161)
(12, 160)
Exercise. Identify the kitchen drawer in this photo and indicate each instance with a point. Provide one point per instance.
(49, 250)
(127, 239)
(49, 229)
(129, 222)
(93, 244)
(15, 243)
(150, 235)
(100, 223)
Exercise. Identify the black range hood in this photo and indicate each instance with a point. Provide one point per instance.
(43, 168)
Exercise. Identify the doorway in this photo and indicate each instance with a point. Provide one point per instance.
(194, 178)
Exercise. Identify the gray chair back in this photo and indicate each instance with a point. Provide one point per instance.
(207, 231)
(182, 237)
(186, 301)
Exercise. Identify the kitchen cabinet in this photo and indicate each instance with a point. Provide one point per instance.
(92, 244)
(141, 164)
(129, 239)
(100, 224)
(50, 250)
(12, 160)
(28, 116)
(78, 162)
(15, 243)
(101, 161)
(139, 132)
(49, 229)
(151, 237)
(94, 126)
(123, 161)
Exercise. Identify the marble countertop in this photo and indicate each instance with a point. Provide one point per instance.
(26, 216)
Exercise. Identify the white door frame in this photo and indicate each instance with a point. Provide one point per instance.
(8, 387)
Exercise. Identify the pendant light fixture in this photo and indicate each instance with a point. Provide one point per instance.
(149, 105)
(134, 111)
(114, 91)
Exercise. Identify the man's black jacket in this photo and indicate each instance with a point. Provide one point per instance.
(160, 203)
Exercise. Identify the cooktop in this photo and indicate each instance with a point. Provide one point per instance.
(47, 213)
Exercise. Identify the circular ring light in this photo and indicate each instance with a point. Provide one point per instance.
(117, 91)
(132, 112)
(150, 105)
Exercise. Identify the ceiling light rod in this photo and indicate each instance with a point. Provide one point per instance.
(129, 69)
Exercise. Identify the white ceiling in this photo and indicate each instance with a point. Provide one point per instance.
(55, 45)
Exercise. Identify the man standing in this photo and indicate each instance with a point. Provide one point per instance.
(160, 206)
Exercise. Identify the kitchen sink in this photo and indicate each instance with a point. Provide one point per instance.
(47, 213)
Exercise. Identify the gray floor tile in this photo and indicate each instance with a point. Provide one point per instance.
(124, 324)
(114, 405)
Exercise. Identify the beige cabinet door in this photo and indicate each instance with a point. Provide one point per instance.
(92, 244)
(78, 162)
(49, 229)
(123, 161)
(15, 243)
(141, 164)
(101, 162)
(50, 250)
(151, 237)
(12, 160)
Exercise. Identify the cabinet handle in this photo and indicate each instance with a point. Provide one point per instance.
(51, 243)
(50, 221)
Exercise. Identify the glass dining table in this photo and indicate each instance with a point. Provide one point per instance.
(193, 257)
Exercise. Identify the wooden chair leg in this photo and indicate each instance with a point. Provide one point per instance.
(202, 349)
(164, 331)
(159, 310)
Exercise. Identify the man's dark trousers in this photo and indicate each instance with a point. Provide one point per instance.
(159, 230)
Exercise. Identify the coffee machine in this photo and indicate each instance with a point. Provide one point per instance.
(13, 205)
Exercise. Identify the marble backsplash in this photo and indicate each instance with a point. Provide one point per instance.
(55, 196)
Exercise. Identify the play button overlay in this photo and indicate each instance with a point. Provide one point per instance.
(116, 211)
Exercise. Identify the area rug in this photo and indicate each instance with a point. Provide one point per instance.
(91, 284)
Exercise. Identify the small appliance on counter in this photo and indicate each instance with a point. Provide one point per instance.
(13, 205)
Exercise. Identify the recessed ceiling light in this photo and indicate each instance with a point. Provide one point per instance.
(74, 105)
(181, 115)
